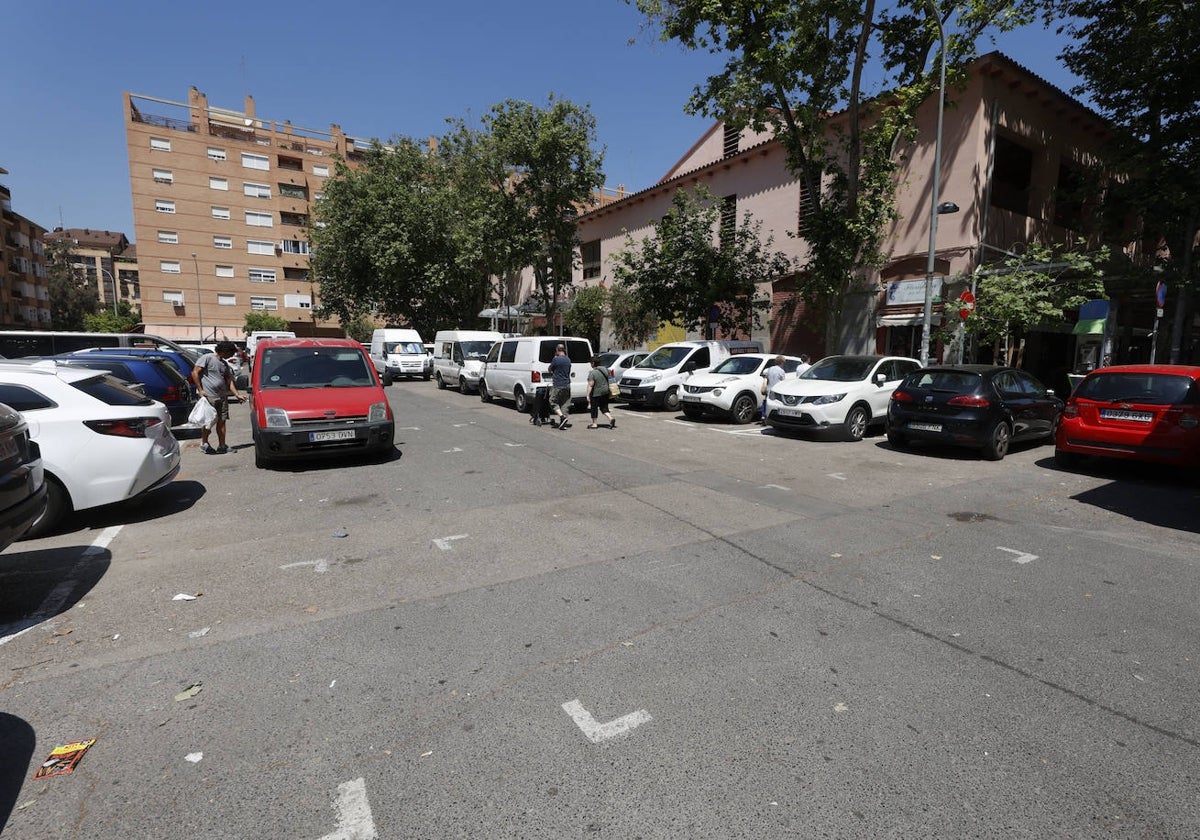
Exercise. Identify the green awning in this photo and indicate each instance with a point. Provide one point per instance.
(1089, 326)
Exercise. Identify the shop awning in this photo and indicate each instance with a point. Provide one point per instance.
(909, 319)
(1089, 326)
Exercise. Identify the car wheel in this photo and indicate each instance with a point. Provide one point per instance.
(856, 422)
(692, 413)
(521, 400)
(1067, 460)
(441, 383)
(462, 385)
(998, 440)
(58, 505)
(671, 399)
(484, 394)
(387, 379)
(260, 460)
(744, 409)
(426, 377)
(896, 439)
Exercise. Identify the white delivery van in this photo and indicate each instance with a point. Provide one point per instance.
(458, 357)
(252, 339)
(398, 352)
(516, 366)
(657, 380)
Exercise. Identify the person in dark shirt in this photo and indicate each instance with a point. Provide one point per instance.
(560, 397)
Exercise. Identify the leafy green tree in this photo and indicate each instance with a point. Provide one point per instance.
(1138, 63)
(105, 320)
(794, 68)
(72, 298)
(263, 321)
(586, 313)
(631, 321)
(359, 328)
(687, 275)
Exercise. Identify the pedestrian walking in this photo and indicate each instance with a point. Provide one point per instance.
(560, 379)
(213, 379)
(773, 373)
(804, 365)
(598, 393)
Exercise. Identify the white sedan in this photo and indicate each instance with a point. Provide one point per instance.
(733, 389)
(101, 442)
(849, 392)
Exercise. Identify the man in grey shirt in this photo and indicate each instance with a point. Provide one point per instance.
(213, 378)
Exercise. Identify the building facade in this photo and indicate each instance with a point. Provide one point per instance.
(24, 292)
(221, 203)
(106, 261)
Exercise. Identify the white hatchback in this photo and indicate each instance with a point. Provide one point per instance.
(850, 392)
(101, 442)
(733, 389)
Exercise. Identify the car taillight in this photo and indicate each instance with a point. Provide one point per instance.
(610, 373)
(970, 400)
(902, 396)
(537, 377)
(134, 427)
(1070, 410)
(174, 393)
(1189, 421)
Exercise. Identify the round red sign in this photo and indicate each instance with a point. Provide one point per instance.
(966, 304)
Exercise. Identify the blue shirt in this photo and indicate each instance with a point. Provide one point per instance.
(560, 369)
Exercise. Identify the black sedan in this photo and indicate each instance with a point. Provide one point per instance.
(22, 478)
(981, 406)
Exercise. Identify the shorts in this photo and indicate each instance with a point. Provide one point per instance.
(221, 404)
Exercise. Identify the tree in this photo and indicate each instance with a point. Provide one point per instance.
(687, 275)
(105, 320)
(72, 298)
(264, 322)
(360, 328)
(798, 68)
(1139, 66)
(586, 313)
(631, 322)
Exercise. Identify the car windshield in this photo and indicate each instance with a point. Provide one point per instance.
(314, 367)
(1144, 388)
(738, 366)
(476, 349)
(841, 369)
(665, 358)
(949, 381)
(410, 347)
(111, 391)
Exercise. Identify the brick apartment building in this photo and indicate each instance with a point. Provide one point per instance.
(24, 292)
(221, 202)
(107, 260)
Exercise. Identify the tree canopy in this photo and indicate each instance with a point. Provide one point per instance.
(72, 298)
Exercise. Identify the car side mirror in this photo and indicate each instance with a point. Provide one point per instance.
(688, 366)
(880, 378)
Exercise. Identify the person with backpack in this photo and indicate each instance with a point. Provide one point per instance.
(598, 392)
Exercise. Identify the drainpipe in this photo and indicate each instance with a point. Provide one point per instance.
(1179, 325)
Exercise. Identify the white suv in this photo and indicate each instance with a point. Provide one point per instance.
(101, 442)
(850, 392)
(733, 389)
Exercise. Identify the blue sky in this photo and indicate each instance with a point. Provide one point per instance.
(378, 69)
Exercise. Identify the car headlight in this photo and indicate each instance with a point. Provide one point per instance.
(654, 377)
(277, 418)
(377, 413)
(826, 399)
(716, 392)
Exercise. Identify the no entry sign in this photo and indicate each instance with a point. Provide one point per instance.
(966, 304)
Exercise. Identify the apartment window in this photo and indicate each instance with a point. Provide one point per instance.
(297, 301)
(263, 302)
(160, 144)
(218, 183)
(1012, 174)
(226, 300)
(220, 212)
(225, 242)
(215, 153)
(262, 275)
(161, 206)
(175, 298)
(317, 196)
(253, 161)
(169, 266)
(322, 171)
(224, 271)
(168, 237)
(256, 190)
(257, 246)
(259, 219)
(292, 191)
(163, 176)
(730, 144)
(590, 253)
(295, 246)
(728, 218)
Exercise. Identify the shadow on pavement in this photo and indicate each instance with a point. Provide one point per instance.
(1149, 493)
(177, 497)
(17, 741)
(40, 584)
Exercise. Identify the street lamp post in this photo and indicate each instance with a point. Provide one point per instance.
(199, 305)
(934, 209)
(104, 271)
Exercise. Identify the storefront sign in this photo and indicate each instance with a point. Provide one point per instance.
(901, 292)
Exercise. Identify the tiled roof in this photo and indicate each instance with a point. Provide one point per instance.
(113, 241)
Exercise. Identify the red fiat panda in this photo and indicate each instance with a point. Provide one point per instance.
(316, 396)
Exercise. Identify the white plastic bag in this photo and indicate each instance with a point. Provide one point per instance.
(203, 414)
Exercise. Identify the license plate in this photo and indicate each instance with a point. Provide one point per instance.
(792, 412)
(690, 398)
(1122, 414)
(925, 427)
(320, 437)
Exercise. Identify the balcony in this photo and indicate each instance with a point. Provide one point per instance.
(294, 219)
(294, 164)
(162, 122)
(232, 132)
(293, 191)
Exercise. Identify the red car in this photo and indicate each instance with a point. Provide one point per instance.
(317, 396)
(1133, 412)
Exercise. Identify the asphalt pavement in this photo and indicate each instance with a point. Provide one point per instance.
(673, 629)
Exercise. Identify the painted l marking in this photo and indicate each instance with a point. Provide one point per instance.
(598, 732)
(444, 542)
(1022, 557)
(354, 813)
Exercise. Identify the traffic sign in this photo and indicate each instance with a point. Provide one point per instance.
(966, 304)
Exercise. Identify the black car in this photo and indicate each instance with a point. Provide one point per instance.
(22, 478)
(982, 406)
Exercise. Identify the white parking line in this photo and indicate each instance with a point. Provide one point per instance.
(354, 813)
(597, 732)
(444, 542)
(1022, 557)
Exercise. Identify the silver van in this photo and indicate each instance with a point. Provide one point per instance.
(516, 366)
(458, 357)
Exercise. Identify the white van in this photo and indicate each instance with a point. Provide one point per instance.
(252, 339)
(398, 352)
(657, 380)
(516, 366)
(458, 357)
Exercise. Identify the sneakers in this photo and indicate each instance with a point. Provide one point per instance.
(612, 424)
(564, 423)
(207, 450)
(222, 449)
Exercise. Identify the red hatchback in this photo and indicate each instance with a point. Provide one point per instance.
(1133, 412)
(316, 396)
